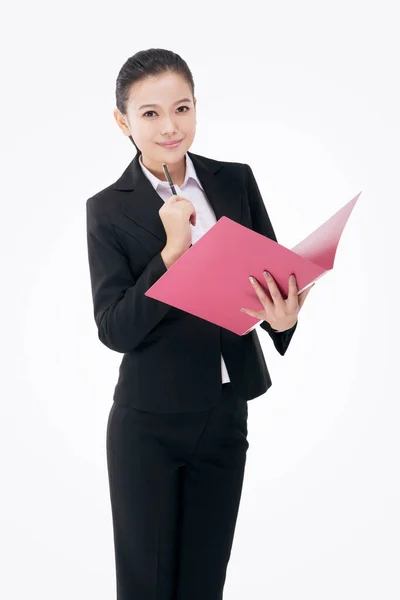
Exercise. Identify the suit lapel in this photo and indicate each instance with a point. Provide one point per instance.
(142, 203)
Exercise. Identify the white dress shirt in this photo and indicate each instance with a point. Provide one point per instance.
(191, 189)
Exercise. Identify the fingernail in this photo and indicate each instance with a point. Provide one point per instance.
(292, 277)
(252, 280)
(267, 274)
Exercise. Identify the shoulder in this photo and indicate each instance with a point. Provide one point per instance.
(103, 202)
(233, 166)
(234, 169)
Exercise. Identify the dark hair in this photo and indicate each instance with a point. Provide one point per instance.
(148, 63)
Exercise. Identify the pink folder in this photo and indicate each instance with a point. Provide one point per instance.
(211, 280)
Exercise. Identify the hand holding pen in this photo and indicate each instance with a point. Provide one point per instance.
(177, 214)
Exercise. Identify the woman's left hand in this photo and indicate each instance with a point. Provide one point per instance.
(279, 313)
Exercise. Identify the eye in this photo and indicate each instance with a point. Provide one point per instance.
(153, 111)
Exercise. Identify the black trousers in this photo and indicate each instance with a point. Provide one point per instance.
(175, 486)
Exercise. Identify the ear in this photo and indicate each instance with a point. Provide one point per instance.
(121, 121)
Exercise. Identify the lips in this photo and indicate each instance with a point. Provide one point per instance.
(168, 144)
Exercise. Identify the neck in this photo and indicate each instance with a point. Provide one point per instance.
(176, 170)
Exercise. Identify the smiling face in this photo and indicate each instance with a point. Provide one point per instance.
(160, 109)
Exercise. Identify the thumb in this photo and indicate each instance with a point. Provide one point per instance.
(304, 295)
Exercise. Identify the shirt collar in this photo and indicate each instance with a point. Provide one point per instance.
(190, 174)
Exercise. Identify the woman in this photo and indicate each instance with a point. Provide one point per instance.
(177, 429)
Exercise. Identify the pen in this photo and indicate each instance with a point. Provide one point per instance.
(168, 176)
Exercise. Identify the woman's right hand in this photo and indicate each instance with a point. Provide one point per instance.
(176, 215)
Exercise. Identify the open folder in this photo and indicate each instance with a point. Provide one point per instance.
(211, 279)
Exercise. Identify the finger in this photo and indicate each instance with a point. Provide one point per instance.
(262, 296)
(273, 289)
(293, 298)
(254, 313)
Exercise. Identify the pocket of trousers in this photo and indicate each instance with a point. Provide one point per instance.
(239, 415)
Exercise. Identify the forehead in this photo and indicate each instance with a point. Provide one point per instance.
(162, 90)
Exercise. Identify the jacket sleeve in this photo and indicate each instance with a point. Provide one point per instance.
(261, 224)
(123, 314)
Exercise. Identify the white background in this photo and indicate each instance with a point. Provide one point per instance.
(308, 95)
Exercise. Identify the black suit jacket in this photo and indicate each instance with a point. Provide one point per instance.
(172, 359)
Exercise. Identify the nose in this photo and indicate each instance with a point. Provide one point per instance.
(169, 128)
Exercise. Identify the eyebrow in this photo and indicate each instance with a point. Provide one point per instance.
(156, 105)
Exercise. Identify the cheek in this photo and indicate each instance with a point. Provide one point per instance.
(190, 130)
(146, 133)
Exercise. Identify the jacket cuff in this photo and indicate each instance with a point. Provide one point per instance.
(281, 339)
